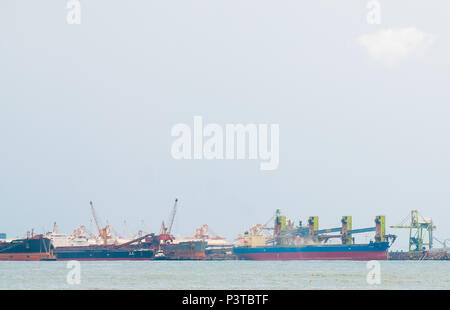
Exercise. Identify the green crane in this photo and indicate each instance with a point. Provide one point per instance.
(420, 232)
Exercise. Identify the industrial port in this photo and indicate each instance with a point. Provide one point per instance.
(278, 239)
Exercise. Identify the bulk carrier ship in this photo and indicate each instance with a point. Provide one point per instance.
(144, 248)
(137, 249)
(310, 243)
(148, 247)
(34, 248)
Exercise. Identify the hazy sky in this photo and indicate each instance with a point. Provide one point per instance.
(86, 112)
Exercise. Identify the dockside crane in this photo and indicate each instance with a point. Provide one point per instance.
(172, 217)
(94, 215)
(205, 232)
(420, 229)
(101, 231)
(165, 233)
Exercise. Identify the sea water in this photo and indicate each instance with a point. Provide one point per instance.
(238, 275)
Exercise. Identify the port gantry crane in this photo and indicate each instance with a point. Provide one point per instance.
(420, 229)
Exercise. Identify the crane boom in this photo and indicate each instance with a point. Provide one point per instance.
(94, 215)
(172, 216)
(420, 229)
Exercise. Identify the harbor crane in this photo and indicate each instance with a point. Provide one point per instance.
(172, 216)
(94, 215)
(103, 232)
(205, 232)
(165, 233)
(420, 231)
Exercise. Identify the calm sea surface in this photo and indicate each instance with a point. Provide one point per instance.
(225, 275)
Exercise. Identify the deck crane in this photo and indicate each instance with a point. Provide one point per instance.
(164, 235)
(128, 231)
(283, 235)
(216, 236)
(101, 231)
(116, 234)
(147, 231)
(172, 216)
(205, 232)
(94, 215)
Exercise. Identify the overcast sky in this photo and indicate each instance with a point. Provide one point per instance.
(86, 112)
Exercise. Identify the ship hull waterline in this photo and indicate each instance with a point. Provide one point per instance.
(26, 257)
(102, 255)
(350, 253)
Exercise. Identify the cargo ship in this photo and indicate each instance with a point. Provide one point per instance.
(167, 248)
(35, 248)
(311, 243)
(138, 249)
(216, 247)
(185, 250)
(371, 251)
(94, 252)
(148, 247)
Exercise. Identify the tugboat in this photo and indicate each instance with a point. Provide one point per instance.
(160, 255)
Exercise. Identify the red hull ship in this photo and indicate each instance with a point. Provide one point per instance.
(362, 252)
(308, 242)
(187, 250)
